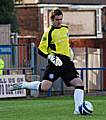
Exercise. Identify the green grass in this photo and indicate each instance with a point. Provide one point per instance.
(58, 108)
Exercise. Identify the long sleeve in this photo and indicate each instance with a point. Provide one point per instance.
(43, 46)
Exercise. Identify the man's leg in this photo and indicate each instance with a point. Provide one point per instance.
(25, 85)
(35, 85)
(78, 98)
(78, 93)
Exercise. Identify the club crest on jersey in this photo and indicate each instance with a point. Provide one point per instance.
(51, 76)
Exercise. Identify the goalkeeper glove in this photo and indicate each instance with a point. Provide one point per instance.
(55, 60)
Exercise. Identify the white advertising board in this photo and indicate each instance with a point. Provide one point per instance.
(81, 22)
(6, 81)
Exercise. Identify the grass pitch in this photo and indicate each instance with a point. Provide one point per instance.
(58, 108)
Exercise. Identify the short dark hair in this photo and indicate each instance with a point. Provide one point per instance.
(55, 12)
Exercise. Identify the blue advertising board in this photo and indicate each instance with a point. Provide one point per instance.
(5, 49)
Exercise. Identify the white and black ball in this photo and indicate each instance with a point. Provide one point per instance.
(86, 108)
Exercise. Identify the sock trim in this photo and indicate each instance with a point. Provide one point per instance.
(79, 87)
(40, 90)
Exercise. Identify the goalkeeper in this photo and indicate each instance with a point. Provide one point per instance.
(55, 47)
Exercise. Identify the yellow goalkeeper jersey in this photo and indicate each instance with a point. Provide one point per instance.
(55, 40)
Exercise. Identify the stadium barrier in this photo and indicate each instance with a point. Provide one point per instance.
(82, 70)
(29, 76)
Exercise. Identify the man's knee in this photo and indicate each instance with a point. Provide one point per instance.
(77, 82)
(45, 85)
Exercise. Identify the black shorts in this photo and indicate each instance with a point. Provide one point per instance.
(67, 71)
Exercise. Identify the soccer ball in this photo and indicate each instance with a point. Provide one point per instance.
(86, 108)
